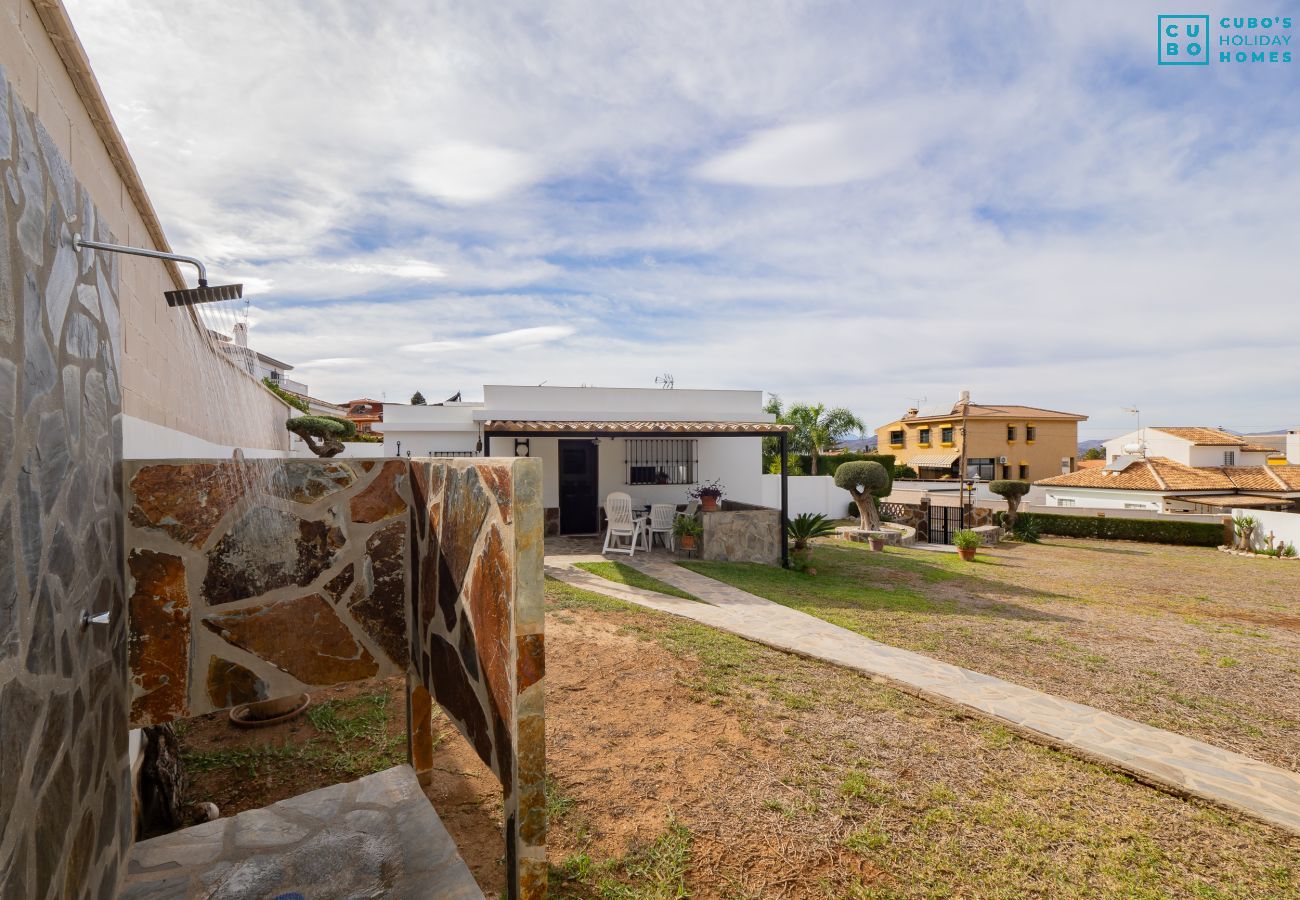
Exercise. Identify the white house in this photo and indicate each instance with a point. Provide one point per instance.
(1198, 447)
(1162, 485)
(653, 444)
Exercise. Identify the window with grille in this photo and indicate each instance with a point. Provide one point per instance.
(1064, 501)
(445, 453)
(896, 437)
(1031, 433)
(1011, 433)
(924, 435)
(1229, 457)
(946, 435)
(660, 460)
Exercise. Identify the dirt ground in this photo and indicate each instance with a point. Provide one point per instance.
(688, 763)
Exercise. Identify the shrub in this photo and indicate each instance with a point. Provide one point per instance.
(967, 540)
(1151, 531)
(1012, 492)
(865, 480)
(904, 472)
(331, 431)
(292, 399)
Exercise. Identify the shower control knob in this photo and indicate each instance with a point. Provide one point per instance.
(88, 619)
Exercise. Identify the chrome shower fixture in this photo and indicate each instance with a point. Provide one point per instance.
(204, 293)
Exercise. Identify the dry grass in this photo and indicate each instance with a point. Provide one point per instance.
(1183, 638)
(793, 778)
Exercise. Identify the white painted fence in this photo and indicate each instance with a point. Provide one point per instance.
(814, 494)
(1284, 526)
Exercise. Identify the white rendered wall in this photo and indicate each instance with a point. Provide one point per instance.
(1293, 447)
(812, 494)
(1285, 526)
(142, 439)
(1100, 498)
(429, 443)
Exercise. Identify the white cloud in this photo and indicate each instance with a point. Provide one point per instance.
(861, 204)
(461, 172)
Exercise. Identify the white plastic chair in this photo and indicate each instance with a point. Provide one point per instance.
(621, 525)
(692, 507)
(662, 516)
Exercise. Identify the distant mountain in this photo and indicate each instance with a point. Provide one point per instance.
(860, 445)
(1085, 446)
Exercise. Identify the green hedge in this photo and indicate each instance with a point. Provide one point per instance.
(1152, 531)
(826, 465)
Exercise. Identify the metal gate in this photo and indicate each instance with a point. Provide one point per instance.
(945, 521)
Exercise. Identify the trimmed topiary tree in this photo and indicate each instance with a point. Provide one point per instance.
(331, 431)
(1012, 492)
(865, 481)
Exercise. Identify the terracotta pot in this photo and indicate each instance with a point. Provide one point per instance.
(708, 503)
(688, 541)
(966, 554)
(877, 544)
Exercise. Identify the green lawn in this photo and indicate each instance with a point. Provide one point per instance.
(625, 574)
(1182, 638)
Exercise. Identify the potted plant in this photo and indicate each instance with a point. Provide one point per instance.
(708, 495)
(802, 529)
(877, 543)
(967, 543)
(687, 529)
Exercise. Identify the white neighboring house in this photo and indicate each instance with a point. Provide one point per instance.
(259, 365)
(1194, 446)
(651, 443)
(1161, 485)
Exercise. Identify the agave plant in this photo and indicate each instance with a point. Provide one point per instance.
(1245, 528)
(805, 526)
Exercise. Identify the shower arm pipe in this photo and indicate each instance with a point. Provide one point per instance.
(78, 242)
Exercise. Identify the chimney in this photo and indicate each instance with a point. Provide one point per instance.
(241, 334)
(1293, 447)
(965, 397)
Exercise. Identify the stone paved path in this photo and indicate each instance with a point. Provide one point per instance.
(1178, 763)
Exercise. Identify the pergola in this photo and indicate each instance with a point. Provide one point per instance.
(558, 428)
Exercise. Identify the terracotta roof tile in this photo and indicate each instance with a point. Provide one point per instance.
(1206, 437)
(1157, 473)
(998, 411)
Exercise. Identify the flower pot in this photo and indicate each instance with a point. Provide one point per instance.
(966, 553)
(877, 544)
(688, 541)
(708, 503)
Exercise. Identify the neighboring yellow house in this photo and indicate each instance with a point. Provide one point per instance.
(1023, 442)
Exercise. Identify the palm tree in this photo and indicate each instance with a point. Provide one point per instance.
(816, 428)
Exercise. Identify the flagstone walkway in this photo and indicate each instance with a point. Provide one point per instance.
(1177, 763)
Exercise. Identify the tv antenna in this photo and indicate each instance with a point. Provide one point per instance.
(666, 380)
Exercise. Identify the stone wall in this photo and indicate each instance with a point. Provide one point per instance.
(260, 578)
(742, 532)
(64, 777)
(476, 638)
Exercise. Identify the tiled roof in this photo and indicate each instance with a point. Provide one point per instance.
(1230, 500)
(1159, 474)
(1206, 437)
(999, 411)
(1154, 473)
(1259, 448)
(533, 426)
(1092, 464)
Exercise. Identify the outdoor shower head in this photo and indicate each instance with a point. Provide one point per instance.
(204, 293)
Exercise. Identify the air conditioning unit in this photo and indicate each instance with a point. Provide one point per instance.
(1002, 460)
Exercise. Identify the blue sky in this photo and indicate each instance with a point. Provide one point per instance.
(861, 204)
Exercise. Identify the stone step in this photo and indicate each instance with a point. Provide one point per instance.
(375, 837)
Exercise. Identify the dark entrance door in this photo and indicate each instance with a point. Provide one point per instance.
(945, 521)
(578, 501)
